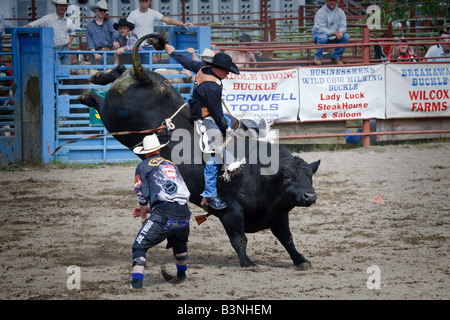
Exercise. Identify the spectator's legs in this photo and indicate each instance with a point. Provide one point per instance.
(62, 58)
(338, 52)
(319, 38)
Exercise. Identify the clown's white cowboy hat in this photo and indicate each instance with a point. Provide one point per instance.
(60, 2)
(102, 4)
(150, 144)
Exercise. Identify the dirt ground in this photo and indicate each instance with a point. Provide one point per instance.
(53, 220)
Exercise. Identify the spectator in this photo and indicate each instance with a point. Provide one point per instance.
(440, 52)
(403, 53)
(243, 59)
(144, 19)
(2, 28)
(330, 26)
(127, 40)
(207, 55)
(100, 34)
(2, 23)
(63, 29)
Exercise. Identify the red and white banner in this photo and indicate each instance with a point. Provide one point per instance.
(417, 90)
(342, 93)
(271, 94)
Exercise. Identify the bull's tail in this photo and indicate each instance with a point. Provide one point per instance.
(157, 41)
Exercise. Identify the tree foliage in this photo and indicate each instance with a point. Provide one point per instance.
(400, 10)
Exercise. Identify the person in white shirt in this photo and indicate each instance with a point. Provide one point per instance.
(2, 28)
(2, 23)
(63, 28)
(440, 52)
(144, 20)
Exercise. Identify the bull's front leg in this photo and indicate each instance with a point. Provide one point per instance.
(281, 230)
(91, 99)
(233, 222)
(103, 78)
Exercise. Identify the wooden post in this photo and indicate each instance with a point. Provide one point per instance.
(301, 16)
(366, 47)
(366, 59)
(366, 129)
(273, 29)
(412, 14)
(265, 19)
(33, 10)
(183, 11)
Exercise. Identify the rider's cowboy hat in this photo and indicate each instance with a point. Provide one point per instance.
(150, 144)
(123, 22)
(100, 5)
(223, 61)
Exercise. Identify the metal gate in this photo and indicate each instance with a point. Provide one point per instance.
(8, 137)
(75, 121)
(27, 108)
(43, 112)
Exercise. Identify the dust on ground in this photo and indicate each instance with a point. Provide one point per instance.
(53, 219)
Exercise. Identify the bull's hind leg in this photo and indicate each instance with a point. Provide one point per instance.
(281, 230)
(103, 78)
(233, 222)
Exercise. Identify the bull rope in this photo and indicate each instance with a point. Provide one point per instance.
(168, 121)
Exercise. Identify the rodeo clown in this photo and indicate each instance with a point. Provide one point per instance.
(161, 190)
(210, 121)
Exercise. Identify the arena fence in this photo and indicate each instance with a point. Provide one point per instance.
(43, 108)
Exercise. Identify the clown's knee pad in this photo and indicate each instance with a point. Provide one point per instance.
(139, 258)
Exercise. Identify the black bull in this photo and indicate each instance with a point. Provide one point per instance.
(140, 99)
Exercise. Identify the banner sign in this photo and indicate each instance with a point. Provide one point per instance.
(417, 90)
(342, 93)
(271, 94)
(94, 116)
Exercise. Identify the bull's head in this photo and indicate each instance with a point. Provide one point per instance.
(296, 177)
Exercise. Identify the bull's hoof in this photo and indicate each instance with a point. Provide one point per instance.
(304, 266)
(95, 78)
(84, 98)
(248, 264)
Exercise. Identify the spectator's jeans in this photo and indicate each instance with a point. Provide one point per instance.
(145, 57)
(62, 58)
(109, 58)
(321, 38)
